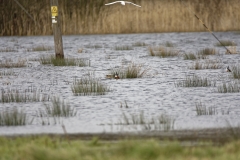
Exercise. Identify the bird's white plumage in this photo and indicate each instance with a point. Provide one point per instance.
(123, 3)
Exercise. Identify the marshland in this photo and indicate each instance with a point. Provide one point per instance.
(172, 78)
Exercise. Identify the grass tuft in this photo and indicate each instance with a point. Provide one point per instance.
(189, 56)
(226, 43)
(11, 64)
(125, 47)
(139, 44)
(201, 109)
(228, 88)
(162, 52)
(161, 122)
(209, 64)
(8, 50)
(232, 49)
(95, 46)
(236, 71)
(207, 51)
(6, 73)
(131, 71)
(89, 85)
(45, 60)
(41, 48)
(195, 81)
(16, 96)
(169, 44)
(59, 108)
(14, 117)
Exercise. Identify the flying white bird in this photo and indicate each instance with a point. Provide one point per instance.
(123, 3)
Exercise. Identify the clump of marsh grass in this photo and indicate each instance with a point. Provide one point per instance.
(169, 44)
(232, 49)
(124, 47)
(59, 108)
(226, 43)
(207, 51)
(6, 73)
(228, 88)
(189, 56)
(139, 44)
(201, 109)
(41, 48)
(95, 46)
(131, 71)
(11, 64)
(125, 105)
(16, 96)
(161, 122)
(14, 117)
(195, 81)
(8, 50)
(162, 52)
(89, 85)
(236, 71)
(46, 60)
(209, 64)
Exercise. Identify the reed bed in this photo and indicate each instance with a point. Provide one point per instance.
(201, 109)
(46, 60)
(209, 64)
(163, 52)
(232, 87)
(133, 70)
(195, 81)
(162, 122)
(8, 63)
(153, 17)
(14, 117)
(89, 85)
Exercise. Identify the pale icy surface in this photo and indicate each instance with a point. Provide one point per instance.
(155, 94)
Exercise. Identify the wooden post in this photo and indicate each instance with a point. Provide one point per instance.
(56, 25)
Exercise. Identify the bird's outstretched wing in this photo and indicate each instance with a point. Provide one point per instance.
(133, 4)
(112, 3)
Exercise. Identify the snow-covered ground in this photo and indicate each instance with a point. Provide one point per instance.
(154, 94)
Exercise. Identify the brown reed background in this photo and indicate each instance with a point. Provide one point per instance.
(93, 17)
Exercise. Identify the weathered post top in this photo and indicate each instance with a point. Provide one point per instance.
(56, 24)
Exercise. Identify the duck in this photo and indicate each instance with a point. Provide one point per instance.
(228, 69)
(116, 76)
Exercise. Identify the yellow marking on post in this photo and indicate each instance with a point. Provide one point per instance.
(54, 10)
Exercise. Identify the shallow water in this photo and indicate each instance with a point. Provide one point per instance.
(154, 94)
